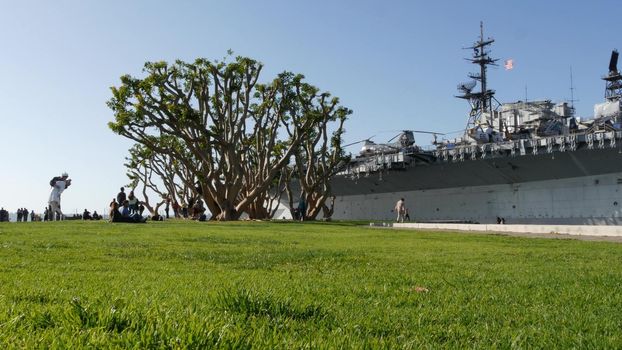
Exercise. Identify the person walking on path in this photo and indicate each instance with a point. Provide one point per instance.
(400, 209)
(54, 201)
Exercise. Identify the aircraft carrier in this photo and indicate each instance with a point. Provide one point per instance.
(528, 162)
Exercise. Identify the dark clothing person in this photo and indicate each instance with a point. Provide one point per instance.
(176, 209)
(167, 207)
(121, 196)
(191, 208)
(4, 215)
(302, 209)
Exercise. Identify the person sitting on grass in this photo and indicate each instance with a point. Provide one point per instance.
(198, 211)
(116, 216)
(133, 202)
(125, 210)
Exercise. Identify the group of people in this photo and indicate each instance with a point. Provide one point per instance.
(123, 208)
(52, 211)
(126, 208)
(198, 211)
(129, 201)
(86, 215)
(194, 210)
(22, 215)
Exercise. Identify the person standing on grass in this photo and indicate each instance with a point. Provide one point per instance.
(54, 201)
(167, 207)
(302, 208)
(121, 196)
(400, 209)
(184, 210)
(176, 209)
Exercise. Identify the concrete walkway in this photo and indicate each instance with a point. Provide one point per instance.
(583, 232)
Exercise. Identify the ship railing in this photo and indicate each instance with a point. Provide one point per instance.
(513, 148)
(375, 163)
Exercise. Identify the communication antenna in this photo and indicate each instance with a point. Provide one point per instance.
(572, 100)
(571, 90)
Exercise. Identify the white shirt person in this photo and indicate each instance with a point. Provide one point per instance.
(54, 200)
(400, 208)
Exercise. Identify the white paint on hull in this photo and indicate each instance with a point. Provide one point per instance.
(593, 200)
(575, 230)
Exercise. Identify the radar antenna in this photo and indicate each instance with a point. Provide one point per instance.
(613, 80)
(467, 87)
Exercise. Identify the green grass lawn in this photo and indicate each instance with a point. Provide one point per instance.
(292, 285)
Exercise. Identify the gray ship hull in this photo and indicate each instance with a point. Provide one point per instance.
(574, 187)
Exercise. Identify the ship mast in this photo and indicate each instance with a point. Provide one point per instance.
(480, 101)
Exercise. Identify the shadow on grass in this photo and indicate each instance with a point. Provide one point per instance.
(319, 222)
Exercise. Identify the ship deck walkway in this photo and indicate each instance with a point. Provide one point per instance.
(586, 232)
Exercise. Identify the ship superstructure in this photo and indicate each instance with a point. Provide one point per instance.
(524, 161)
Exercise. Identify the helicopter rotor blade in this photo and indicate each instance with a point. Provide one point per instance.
(427, 132)
(394, 137)
(359, 141)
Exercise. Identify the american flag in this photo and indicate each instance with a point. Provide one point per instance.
(509, 64)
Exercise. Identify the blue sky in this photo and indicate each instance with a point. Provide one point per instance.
(395, 63)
